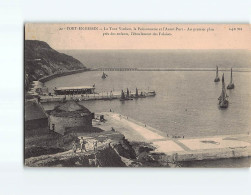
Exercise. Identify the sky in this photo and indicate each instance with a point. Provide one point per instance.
(129, 36)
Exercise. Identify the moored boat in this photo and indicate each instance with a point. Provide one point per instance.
(223, 99)
(104, 75)
(136, 93)
(231, 84)
(151, 93)
(123, 97)
(217, 79)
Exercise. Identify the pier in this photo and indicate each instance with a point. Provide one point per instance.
(112, 95)
(168, 69)
(115, 69)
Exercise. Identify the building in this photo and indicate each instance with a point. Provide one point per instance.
(74, 90)
(42, 90)
(64, 118)
(35, 117)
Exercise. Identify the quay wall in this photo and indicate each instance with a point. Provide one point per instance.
(97, 96)
(237, 147)
(61, 123)
(210, 154)
(53, 76)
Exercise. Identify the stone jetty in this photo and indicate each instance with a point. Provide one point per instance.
(181, 149)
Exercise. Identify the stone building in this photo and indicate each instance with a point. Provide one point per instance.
(74, 90)
(69, 116)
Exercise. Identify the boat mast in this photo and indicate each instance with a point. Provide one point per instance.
(127, 93)
(216, 71)
(122, 95)
(223, 89)
(231, 80)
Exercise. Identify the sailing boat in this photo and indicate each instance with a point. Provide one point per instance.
(217, 79)
(223, 102)
(122, 98)
(104, 75)
(231, 84)
(137, 93)
(125, 97)
(127, 93)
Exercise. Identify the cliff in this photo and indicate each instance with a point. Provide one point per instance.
(113, 150)
(41, 60)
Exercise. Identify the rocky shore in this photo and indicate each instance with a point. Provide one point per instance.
(113, 150)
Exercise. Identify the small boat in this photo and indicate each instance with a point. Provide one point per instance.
(151, 93)
(123, 97)
(137, 93)
(142, 95)
(223, 99)
(217, 79)
(231, 84)
(127, 93)
(104, 75)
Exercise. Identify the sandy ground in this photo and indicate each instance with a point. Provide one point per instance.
(143, 131)
(136, 131)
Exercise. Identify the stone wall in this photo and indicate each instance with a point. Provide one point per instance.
(210, 154)
(61, 123)
(36, 124)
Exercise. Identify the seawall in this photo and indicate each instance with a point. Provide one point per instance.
(181, 149)
(53, 76)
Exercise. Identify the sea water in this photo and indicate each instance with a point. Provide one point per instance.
(186, 103)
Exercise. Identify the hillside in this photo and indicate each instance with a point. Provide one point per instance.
(41, 60)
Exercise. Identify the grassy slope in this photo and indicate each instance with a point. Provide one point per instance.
(41, 60)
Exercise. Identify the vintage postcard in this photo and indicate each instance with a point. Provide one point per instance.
(137, 95)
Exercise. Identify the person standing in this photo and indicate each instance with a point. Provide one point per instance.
(74, 147)
(82, 144)
(95, 145)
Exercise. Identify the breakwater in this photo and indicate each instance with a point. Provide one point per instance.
(170, 69)
(53, 76)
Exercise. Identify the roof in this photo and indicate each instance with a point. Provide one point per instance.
(70, 109)
(77, 87)
(33, 111)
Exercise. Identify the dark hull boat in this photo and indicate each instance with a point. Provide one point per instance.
(217, 79)
(223, 102)
(142, 95)
(123, 97)
(231, 84)
(104, 75)
(151, 93)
